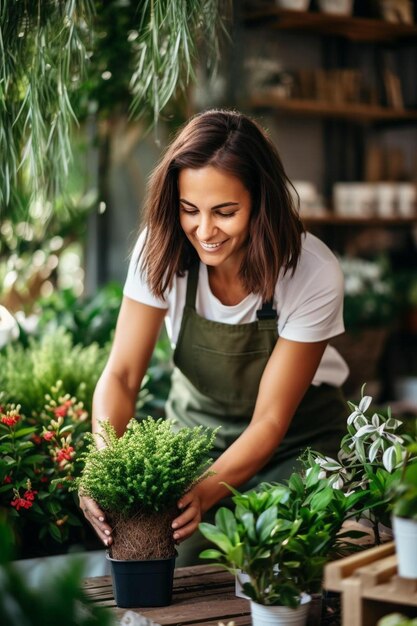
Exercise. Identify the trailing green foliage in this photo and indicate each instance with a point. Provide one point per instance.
(43, 54)
(27, 374)
(60, 599)
(148, 468)
(64, 55)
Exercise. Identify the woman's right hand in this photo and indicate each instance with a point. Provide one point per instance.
(97, 519)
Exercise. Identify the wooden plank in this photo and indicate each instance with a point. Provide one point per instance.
(353, 28)
(337, 571)
(378, 572)
(226, 608)
(317, 108)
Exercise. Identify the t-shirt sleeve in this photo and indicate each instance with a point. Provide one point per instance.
(314, 304)
(136, 286)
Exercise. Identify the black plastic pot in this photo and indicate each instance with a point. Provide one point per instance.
(142, 583)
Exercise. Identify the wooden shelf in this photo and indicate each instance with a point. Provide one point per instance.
(336, 220)
(353, 28)
(364, 113)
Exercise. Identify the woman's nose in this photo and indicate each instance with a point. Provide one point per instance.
(205, 228)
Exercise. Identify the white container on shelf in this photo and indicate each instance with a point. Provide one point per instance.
(386, 199)
(336, 7)
(293, 5)
(406, 199)
(354, 199)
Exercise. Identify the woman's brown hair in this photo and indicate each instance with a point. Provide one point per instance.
(232, 142)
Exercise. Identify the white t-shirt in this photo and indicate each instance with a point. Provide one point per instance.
(309, 303)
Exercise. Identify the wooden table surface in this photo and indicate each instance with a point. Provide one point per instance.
(202, 595)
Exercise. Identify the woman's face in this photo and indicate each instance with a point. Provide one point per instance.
(215, 211)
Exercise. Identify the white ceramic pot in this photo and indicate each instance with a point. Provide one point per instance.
(405, 536)
(293, 5)
(263, 615)
(336, 7)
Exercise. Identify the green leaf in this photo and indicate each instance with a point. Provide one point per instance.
(212, 533)
(212, 554)
(266, 523)
(226, 523)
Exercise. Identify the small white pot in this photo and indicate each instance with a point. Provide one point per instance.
(336, 7)
(263, 615)
(405, 536)
(293, 5)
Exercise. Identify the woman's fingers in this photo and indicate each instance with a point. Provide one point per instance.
(185, 524)
(97, 519)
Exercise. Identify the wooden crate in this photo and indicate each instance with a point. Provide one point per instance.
(370, 587)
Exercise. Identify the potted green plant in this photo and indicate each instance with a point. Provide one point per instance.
(137, 479)
(403, 495)
(369, 461)
(280, 536)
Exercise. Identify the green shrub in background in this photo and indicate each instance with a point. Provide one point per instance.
(27, 374)
(93, 320)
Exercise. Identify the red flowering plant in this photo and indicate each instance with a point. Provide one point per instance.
(38, 462)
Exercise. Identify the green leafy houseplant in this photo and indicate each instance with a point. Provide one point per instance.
(38, 461)
(280, 535)
(138, 478)
(369, 461)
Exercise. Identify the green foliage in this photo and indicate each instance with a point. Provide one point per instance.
(61, 55)
(148, 468)
(60, 598)
(397, 619)
(88, 320)
(403, 492)
(281, 536)
(38, 461)
(370, 298)
(42, 47)
(27, 374)
(369, 460)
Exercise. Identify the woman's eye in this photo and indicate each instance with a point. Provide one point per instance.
(226, 214)
(189, 211)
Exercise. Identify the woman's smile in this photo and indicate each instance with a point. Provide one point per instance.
(215, 211)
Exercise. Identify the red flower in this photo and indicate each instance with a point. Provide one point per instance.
(65, 454)
(62, 409)
(44, 479)
(7, 479)
(21, 503)
(30, 495)
(48, 435)
(36, 439)
(10, 420)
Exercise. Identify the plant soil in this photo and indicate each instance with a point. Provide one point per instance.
(143, 536)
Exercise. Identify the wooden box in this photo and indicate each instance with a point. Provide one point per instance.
(370, 587)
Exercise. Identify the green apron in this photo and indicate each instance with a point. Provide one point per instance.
(218, 368)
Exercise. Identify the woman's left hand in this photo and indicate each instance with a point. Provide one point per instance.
(187, 523)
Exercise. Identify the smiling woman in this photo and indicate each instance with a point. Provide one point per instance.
(250, 301)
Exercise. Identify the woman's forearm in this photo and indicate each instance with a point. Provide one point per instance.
(242, 460)
(113, 400)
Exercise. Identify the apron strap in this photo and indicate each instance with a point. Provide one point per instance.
(267, 312)
(192, 282)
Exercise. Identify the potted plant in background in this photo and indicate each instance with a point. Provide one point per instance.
(403, 495)
(280, 536)
(369, 461)
(137, 480)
